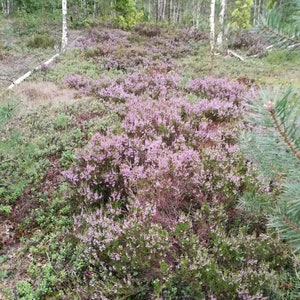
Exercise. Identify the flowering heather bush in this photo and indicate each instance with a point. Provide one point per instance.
(152, 84)
(95, 37)
(114, 49)
(86, 85)
(152, 225)
(129, 254)
(221, 88)
(171, 144)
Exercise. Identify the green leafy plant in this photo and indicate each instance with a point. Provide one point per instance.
(241, 15)
(127, 14)
(67, 158)
(24, 290)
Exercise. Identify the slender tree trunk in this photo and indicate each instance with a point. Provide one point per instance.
(198, 11)
(164, 10)
(169, 10)
(95, 9)
(212, 34)
(212, 24)
(254, 12)
(64, 39)
(1, 53)
(149, 10)
(178, 15)
(221, 22)
(6, 7)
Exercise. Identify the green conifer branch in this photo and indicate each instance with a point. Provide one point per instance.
(281, 24)
(270, 108)
(274, 119)
(290, 224)
(272, 31)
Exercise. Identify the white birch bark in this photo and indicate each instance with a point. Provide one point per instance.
(254, 12)
(198, 15)
(95, 9)
(170, 11)
(221, 22)
(164, 13)
(29, 73)
(64, 38)
(179, 11)
(6, 7)
(212, 24)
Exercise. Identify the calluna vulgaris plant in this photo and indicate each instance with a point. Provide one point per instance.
(156, 196)
(113, 50)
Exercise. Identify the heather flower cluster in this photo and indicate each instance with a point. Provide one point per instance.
(115, 50)
(170, 149)
(130, 252)
(86, 85)
(156, 196)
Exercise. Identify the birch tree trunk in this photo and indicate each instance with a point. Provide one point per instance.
(212, 25)
(198, 15)
(149, 10)
(95, 9)
(64, 39)
(169, 10)
(221, 22)
(6, 7)
(212, 35)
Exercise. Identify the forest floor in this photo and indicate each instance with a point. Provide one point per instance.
(45, 120)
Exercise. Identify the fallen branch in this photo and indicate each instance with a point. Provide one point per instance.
(230, 52)
(292, 47)
(39, 67)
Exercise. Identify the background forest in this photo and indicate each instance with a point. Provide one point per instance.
(151, 150)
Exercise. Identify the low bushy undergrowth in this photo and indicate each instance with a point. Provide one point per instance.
(278, 57)
(164, 136)
(32, 158)
(131, 255)
(147, 30)
(248, 42)
(115, 50)
(43, 40)
(158, 198)
(147, 208)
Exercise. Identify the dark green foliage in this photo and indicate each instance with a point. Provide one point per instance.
(127, 14)
(43, 40)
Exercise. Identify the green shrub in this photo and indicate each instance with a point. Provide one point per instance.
(127, 14)
(41, 40)
(24, 290)
(75, 62)
(199, 258)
